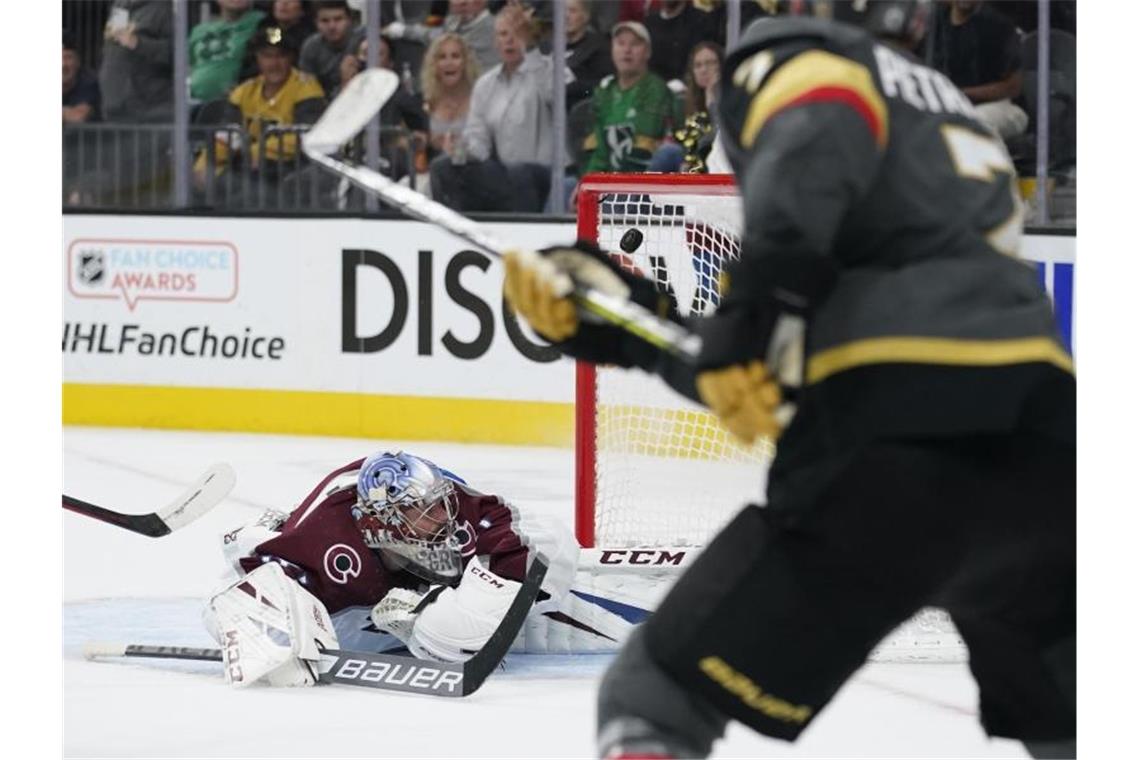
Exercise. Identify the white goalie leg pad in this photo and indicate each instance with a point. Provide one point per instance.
(269, 627)
(459, 622)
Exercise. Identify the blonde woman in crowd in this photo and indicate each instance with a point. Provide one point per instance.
(447, 78)
(502, 160)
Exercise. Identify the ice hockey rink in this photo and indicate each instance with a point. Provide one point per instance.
(125, 587)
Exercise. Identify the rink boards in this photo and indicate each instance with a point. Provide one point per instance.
(383, 328)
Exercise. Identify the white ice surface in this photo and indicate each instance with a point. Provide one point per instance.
(124, 587)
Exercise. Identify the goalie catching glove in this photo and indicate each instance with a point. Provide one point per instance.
(448, 624)
(269, 627)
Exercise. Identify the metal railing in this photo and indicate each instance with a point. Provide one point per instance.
(131, 167)
(117, 166)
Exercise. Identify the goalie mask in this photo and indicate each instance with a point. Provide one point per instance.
(407, 510)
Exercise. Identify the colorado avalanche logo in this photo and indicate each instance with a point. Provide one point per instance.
(465, 539)
(341, 563)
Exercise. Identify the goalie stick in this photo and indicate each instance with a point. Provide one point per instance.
(389, 672)
(363, 97)
(203, 495)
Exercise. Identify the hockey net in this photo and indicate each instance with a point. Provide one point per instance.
(652, 468)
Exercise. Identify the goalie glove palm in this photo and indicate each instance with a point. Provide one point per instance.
(396, 612)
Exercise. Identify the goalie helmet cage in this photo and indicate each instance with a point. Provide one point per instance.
(652, 468)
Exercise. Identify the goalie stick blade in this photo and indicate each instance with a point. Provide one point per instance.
(351, 110)
(392, 672)
(199, 498)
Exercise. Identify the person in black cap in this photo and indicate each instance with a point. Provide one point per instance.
(274, 96)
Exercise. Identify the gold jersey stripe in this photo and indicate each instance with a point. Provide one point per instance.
(818, 76)
(946, 351)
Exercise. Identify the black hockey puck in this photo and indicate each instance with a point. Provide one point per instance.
(631, 240)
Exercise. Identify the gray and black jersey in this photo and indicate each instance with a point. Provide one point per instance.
(878, 206)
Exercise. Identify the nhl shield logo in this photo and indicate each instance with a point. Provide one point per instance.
(90, 267)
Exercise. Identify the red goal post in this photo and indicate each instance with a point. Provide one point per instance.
(690, 229)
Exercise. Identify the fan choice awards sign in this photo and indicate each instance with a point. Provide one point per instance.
(332, 326)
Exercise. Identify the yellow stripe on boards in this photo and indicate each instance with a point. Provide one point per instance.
(945, 351)
(320, 413)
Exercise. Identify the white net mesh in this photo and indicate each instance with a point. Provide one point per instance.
(666, 474)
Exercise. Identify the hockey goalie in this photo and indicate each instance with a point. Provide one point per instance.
(393, 552)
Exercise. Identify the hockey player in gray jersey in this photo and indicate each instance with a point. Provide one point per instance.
(932, 457)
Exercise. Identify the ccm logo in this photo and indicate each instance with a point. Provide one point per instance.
(408, 676)
(641, 557)
(233, 655)
(486, 577)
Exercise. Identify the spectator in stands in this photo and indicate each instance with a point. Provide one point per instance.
(217, 48)
(675, 28)
(502, 162)
(403, 110)
(80, 105)
(634, 10)
(336, 37)
(447, 79)
(81, 98)
(470, 19)
(292, 17)
(633, 110)
(980, 50)
(136, 74)
(587, 52)
(278, 95)
(427, 16)
(137, 88)
(701, 79)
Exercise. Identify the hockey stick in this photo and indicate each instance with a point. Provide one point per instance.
(363, 98)
(389, 672)
(357, 104)
(202, 496)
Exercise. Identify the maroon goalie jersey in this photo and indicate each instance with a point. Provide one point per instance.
(322, 545)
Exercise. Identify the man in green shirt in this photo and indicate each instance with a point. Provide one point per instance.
(633, 110)
(218, 47)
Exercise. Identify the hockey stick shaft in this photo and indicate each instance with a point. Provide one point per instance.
(389, 672)
(207, 490)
